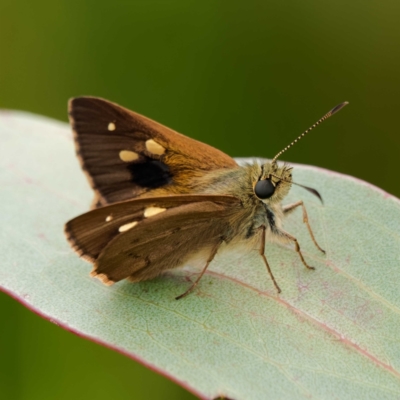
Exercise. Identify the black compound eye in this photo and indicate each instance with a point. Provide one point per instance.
(264, 189)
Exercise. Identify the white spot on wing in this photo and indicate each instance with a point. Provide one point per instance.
(109, 218)
(151, 211)
(126, 227)
(128, 156)
(154, 148)
(111, 126)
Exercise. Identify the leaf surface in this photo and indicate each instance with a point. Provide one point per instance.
(333, 333)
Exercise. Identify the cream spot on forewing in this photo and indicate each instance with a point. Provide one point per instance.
(151, 211)
(154, 148)
(128, 156)
(111, 126)
(126, 227)
(109, 218)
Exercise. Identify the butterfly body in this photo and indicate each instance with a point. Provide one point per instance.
(163, 200)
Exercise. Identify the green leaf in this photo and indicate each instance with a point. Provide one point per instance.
(332, 333)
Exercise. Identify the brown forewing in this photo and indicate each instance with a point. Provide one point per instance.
(113, 179)
(164, 241)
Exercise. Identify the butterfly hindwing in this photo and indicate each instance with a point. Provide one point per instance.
(126, 155)
(142, 237)
(164, 242)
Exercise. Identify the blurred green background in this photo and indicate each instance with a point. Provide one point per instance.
(244, 76)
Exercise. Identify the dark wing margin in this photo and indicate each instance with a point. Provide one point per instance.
(142, 237)
(125, 154)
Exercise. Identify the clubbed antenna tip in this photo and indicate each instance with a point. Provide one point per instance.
(338, 107)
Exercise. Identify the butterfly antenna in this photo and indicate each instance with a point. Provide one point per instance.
(326, 116)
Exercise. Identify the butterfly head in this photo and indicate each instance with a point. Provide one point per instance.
(274, 182)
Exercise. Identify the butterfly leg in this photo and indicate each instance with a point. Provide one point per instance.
(210, 258)
(262, 254)
(290, 207)
(291, 238)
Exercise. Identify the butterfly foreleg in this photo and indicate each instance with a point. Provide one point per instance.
(291, 207)
(210, 258)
